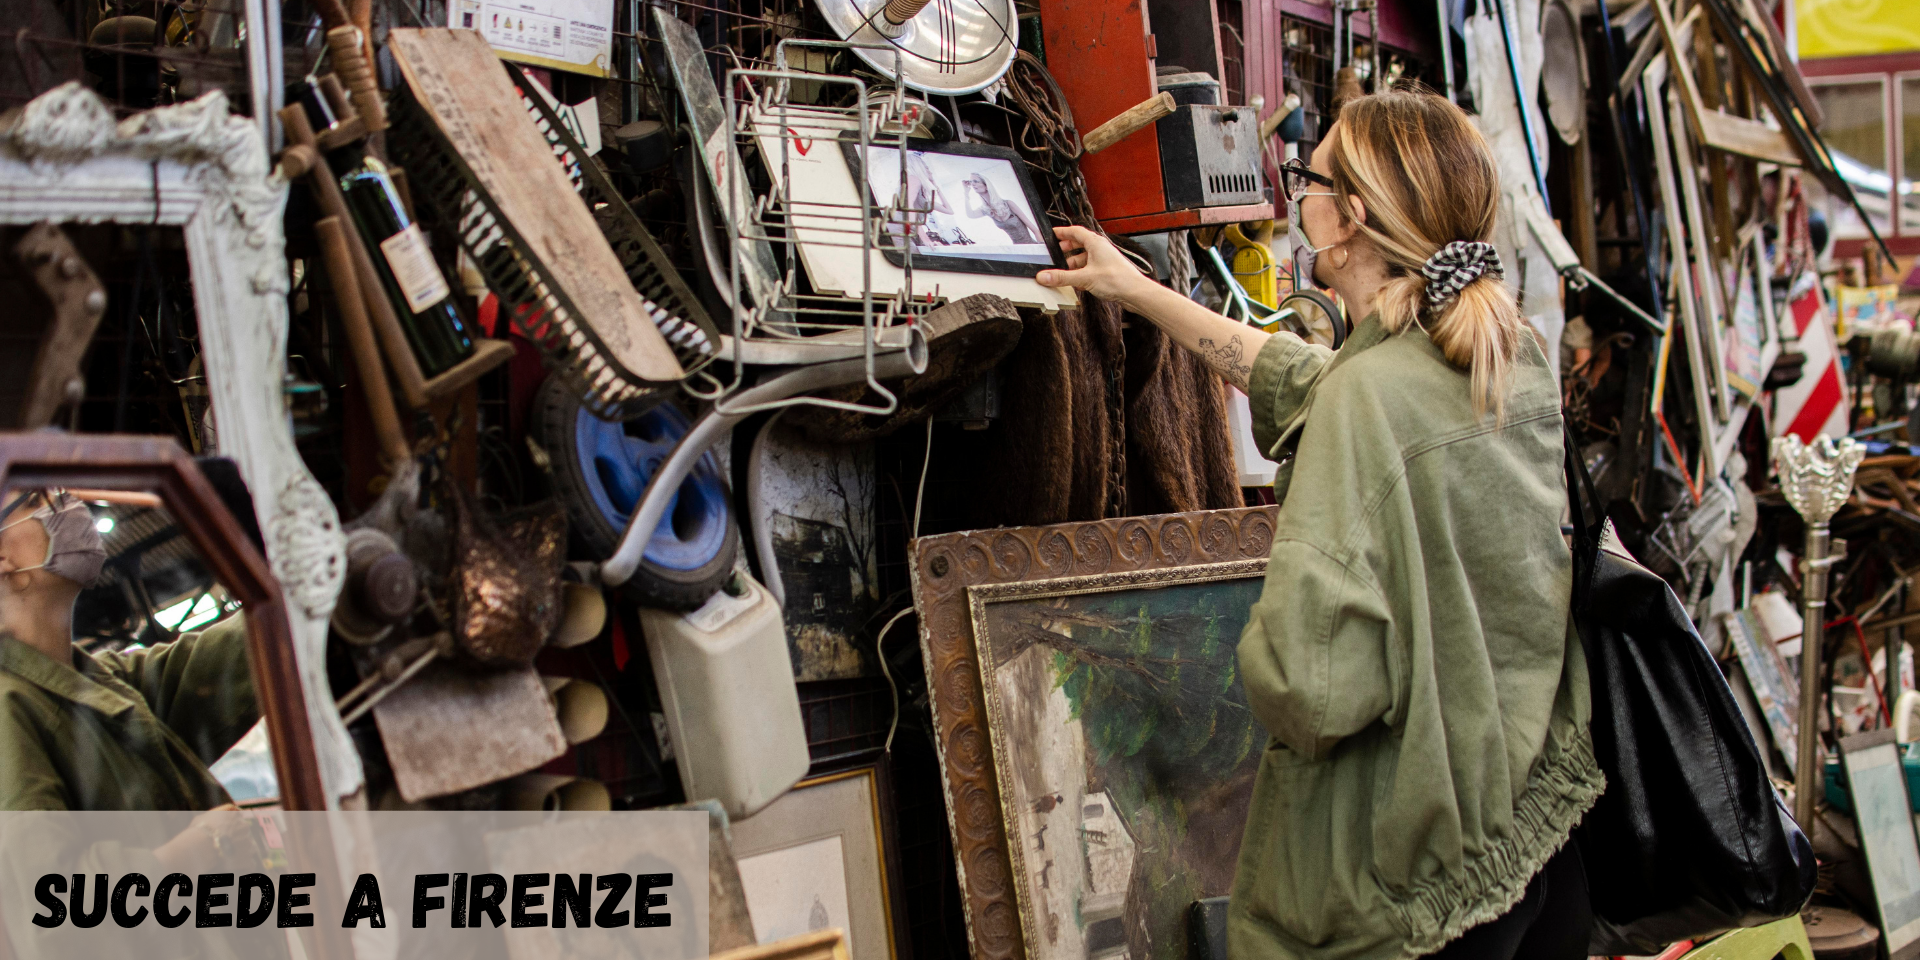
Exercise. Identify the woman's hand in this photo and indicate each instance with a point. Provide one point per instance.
(1094, 265)
(1228, 346)
(194, 848)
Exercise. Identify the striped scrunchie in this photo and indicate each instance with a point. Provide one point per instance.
(1456, 265)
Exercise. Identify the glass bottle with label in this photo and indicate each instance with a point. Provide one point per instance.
(439, 335)
(421, 297)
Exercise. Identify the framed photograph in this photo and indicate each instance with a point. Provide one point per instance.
(1744, 335)
(1096, 744)
(1751, 337)
(1774, 689)
(1878, 782)
(968, 207)
(822, 857)
(796, 146)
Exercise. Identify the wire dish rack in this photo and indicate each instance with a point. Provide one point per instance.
(817, 212)
(535, 303)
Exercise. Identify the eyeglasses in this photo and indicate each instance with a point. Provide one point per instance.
(1297, 179)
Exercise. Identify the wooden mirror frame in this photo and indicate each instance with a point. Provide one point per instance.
(197, 167)
(157, 465)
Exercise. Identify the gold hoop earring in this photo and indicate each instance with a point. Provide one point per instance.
(1342, 265)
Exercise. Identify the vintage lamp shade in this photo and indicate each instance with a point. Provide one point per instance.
(946, 47)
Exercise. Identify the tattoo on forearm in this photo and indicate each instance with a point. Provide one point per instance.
(1230, 360)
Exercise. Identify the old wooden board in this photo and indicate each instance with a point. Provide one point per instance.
(1713, 128)
(457, 79)
(452, 729)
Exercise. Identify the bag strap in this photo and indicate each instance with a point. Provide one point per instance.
(1589, 517)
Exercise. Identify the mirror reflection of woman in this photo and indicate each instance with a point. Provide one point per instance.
(984, 201)
(128, 730)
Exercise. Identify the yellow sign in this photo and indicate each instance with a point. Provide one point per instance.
(1847, 28)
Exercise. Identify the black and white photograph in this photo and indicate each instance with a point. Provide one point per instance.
(962, 202)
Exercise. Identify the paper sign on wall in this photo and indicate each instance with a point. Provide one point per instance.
(571, 35)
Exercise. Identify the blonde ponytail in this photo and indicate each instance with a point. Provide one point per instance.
(1427, 179)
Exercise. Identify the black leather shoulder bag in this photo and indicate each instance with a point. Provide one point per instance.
(1690, 839)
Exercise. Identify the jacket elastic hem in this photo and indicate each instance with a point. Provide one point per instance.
(1560, 789)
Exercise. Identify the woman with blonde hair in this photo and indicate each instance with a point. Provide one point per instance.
(1411, 655)
(984, 201)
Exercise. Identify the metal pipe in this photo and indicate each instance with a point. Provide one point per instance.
(1813, 595)
(720, 418)
(1520, 100)
(1446, 52)
(1815, 479)
(762, 532)
(263, 67)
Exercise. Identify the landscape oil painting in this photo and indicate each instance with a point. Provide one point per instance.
(1124, 751)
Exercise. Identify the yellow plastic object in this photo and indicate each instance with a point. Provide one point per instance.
(1252, 265)
(1786, 939)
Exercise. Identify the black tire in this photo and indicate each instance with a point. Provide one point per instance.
(599, 470)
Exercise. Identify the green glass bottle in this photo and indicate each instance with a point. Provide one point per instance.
(421, 297)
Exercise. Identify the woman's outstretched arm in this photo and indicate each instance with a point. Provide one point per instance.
(1228, 346)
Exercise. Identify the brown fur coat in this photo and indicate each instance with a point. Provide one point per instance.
(1098, 422)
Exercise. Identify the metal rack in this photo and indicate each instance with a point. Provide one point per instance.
(792, 324)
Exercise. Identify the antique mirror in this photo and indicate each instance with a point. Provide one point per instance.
(201, 172)
(181, 574)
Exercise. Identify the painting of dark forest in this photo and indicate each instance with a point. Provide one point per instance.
(1125, 753)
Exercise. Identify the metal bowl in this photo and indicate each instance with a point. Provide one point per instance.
(952, 47)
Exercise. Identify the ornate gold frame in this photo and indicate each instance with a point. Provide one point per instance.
(949, 572)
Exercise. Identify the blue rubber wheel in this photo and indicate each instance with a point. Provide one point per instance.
(600, 471)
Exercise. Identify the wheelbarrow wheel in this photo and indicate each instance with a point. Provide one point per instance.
(600, 471)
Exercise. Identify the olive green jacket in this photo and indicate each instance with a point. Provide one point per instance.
(126, 731)
(1411, 655)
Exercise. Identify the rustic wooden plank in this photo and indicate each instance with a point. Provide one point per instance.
(1748, 138)
(458, 80)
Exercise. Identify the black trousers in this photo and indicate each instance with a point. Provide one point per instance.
(1552, 922)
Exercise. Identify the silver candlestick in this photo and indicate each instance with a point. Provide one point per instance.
(1816, 479)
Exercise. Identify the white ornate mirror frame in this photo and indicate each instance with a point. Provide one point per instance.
(198, 167)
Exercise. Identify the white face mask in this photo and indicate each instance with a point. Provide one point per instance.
(1305, 254)
(74, 550)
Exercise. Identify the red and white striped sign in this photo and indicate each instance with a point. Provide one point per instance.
(1818, 403)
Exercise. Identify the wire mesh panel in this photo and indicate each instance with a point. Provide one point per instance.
(137, 54)
(1307, 61)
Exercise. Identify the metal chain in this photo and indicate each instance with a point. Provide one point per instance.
(1054, 146)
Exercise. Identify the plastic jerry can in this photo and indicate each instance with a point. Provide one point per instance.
(726, 686)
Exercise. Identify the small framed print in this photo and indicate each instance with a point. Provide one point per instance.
(1746, 334)
(828, 944)
(822, 856)
(968, 207)
(1878, 781)
(1774, 688)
